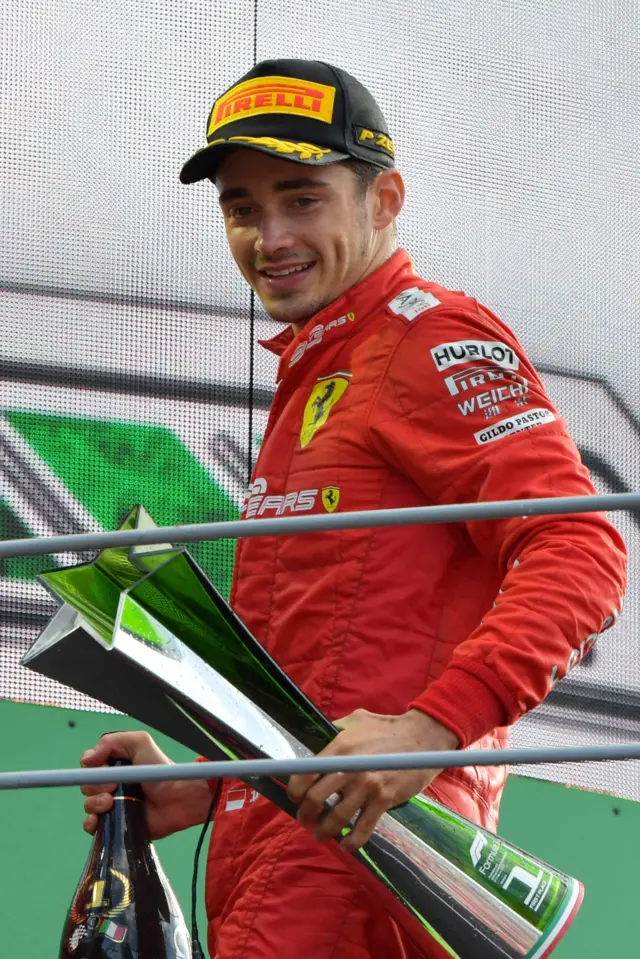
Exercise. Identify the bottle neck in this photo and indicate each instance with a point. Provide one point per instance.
(120, 847)
(126, 818)
(123, 828)
(127, 790)
(127, 814)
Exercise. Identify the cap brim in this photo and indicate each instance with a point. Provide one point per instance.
(204, 162)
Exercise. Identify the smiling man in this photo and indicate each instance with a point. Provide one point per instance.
(392, 391)
(314, 239)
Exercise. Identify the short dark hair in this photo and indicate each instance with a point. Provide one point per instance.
(365, 173)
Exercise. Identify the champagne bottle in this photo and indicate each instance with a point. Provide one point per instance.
(124, 907)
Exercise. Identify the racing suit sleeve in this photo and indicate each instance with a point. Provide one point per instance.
(563, 577)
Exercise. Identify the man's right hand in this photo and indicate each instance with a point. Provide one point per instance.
(170, 806)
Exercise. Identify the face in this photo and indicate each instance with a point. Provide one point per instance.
(302, 235)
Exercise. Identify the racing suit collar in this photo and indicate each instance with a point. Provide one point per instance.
(360, 300)
(277, 344)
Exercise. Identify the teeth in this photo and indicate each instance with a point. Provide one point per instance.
(293, 269)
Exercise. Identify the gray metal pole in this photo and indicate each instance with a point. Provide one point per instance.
(454, 513)
(244, 769)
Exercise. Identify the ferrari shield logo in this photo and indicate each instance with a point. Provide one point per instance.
(324, 396)
(330, 498)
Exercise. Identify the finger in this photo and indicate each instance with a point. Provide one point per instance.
(342, 783)
(344, 812)
(312, 805)
(92, 757)
(90, 824)
(98, 804)
(98, 789)
(99, 754)
(298, 786)
(365, 824)
(310, 811)
(121, 744)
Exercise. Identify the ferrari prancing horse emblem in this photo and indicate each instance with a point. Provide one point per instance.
(323, 397)
(330, 498)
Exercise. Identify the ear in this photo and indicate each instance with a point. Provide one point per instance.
(388, 195)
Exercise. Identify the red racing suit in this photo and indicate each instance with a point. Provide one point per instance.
(402, 393)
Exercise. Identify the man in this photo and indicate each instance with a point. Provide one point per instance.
(392, 391)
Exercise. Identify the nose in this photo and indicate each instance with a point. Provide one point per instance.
(274, 236)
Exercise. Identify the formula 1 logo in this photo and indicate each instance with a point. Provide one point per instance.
(323, 397)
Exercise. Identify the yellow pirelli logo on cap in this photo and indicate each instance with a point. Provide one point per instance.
(273, 95)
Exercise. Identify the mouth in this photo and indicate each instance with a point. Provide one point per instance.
(287, 277)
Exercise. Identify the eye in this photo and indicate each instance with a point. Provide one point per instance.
(304, 202)
(238, 212)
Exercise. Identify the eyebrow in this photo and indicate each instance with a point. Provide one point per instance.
(239, 192)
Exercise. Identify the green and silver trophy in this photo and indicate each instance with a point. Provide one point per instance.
(143, 630)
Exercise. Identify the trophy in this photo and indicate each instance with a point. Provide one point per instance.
(143, 630)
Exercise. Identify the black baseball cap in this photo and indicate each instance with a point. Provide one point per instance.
(305, 111)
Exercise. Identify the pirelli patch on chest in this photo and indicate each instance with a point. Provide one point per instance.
(323, 397)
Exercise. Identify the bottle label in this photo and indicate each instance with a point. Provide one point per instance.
(113, 931)
(76, 937)
(182, 942)
(120, 892)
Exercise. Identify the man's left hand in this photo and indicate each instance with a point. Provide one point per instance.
(373, 793)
